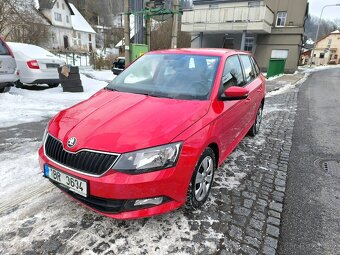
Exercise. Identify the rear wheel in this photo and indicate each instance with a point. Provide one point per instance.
(202, 180)
(257, 124)
(18, 84)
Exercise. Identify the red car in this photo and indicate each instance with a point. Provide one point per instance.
(151, 140)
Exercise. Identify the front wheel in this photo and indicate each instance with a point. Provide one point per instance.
(202, 180)
(257, 124)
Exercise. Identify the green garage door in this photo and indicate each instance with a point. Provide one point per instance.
(276, 67)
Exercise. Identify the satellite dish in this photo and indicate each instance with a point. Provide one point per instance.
(163, 5)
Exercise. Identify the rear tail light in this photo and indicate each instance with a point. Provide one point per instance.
(33, 64)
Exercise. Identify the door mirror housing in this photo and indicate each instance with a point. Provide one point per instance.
(235, 93)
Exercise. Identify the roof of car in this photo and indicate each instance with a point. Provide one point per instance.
(203, 51)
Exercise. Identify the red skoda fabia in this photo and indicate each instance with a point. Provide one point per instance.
(151, 140)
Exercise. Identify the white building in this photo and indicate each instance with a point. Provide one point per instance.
(69, 29)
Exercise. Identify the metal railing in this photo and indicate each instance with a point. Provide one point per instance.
(235, 14)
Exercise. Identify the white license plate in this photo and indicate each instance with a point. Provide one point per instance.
(74, 184)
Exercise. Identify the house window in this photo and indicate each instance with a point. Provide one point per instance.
(322, 55)
(57, 16)
(329, 43)
(90, 38)
(249, 44)
(63, 6)
(281, 19)
(57, 5)
(67, 19)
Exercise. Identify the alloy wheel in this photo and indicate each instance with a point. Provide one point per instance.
(204, 178)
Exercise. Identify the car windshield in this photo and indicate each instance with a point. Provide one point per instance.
(177, 76)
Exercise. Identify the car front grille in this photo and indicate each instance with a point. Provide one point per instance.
(84, 161)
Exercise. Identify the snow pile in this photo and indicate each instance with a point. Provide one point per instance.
(104, 75)
(23, 106)
(274, 77)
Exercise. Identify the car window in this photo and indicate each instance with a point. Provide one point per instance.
(232, 73)
(179, 76)
(249, 74)
(255, 66)
(3, 49)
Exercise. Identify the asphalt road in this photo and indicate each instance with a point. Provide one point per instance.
(311, 216)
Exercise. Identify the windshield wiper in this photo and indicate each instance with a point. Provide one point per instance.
(112, 89)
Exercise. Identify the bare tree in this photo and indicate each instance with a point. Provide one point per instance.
(20, 21)
(326, 27)
(161, 37)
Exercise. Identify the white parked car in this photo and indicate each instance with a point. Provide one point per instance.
(36, 65)
(8, 73)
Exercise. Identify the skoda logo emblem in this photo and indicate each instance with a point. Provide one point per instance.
(71, 142)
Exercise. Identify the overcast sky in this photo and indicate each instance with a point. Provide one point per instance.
(331, 12)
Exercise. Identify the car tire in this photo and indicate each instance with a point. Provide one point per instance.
(257, 124)
(53, 85)
(202, 180)
(18, 84)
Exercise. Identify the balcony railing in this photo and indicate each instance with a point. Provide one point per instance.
(251, 18)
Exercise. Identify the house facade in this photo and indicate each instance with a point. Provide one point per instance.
(327, 49)
(271, 29)
(69, 29)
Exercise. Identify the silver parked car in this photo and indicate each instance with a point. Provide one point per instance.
(8, 72)
(36, 65)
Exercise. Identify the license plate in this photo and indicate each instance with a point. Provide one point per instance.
(74, 184)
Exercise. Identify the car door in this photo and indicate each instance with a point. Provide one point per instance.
(254, 84)
(231, 118)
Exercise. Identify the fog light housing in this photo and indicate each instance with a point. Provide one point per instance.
(149, 201)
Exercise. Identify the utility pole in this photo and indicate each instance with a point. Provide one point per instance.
(127, 32)
(148, 32)
(175, 19)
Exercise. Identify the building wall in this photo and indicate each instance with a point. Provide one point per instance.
(85, 42)
(267, 43)
(216, 40)
(64, 12)
(295, 10)
(332, 44)
(288, 37)
(57, 40)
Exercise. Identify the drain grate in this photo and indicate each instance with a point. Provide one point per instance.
(331, 166)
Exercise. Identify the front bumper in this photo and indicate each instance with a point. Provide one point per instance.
(114, 193)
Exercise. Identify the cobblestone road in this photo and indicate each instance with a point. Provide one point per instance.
(239, 218)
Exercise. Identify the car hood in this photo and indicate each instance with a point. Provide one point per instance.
(121, 122)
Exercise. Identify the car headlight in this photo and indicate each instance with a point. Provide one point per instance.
(148, 160)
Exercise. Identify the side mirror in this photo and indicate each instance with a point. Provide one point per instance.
(235, 93)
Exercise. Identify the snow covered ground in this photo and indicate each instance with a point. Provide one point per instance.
(22, 106)
(104, 75)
